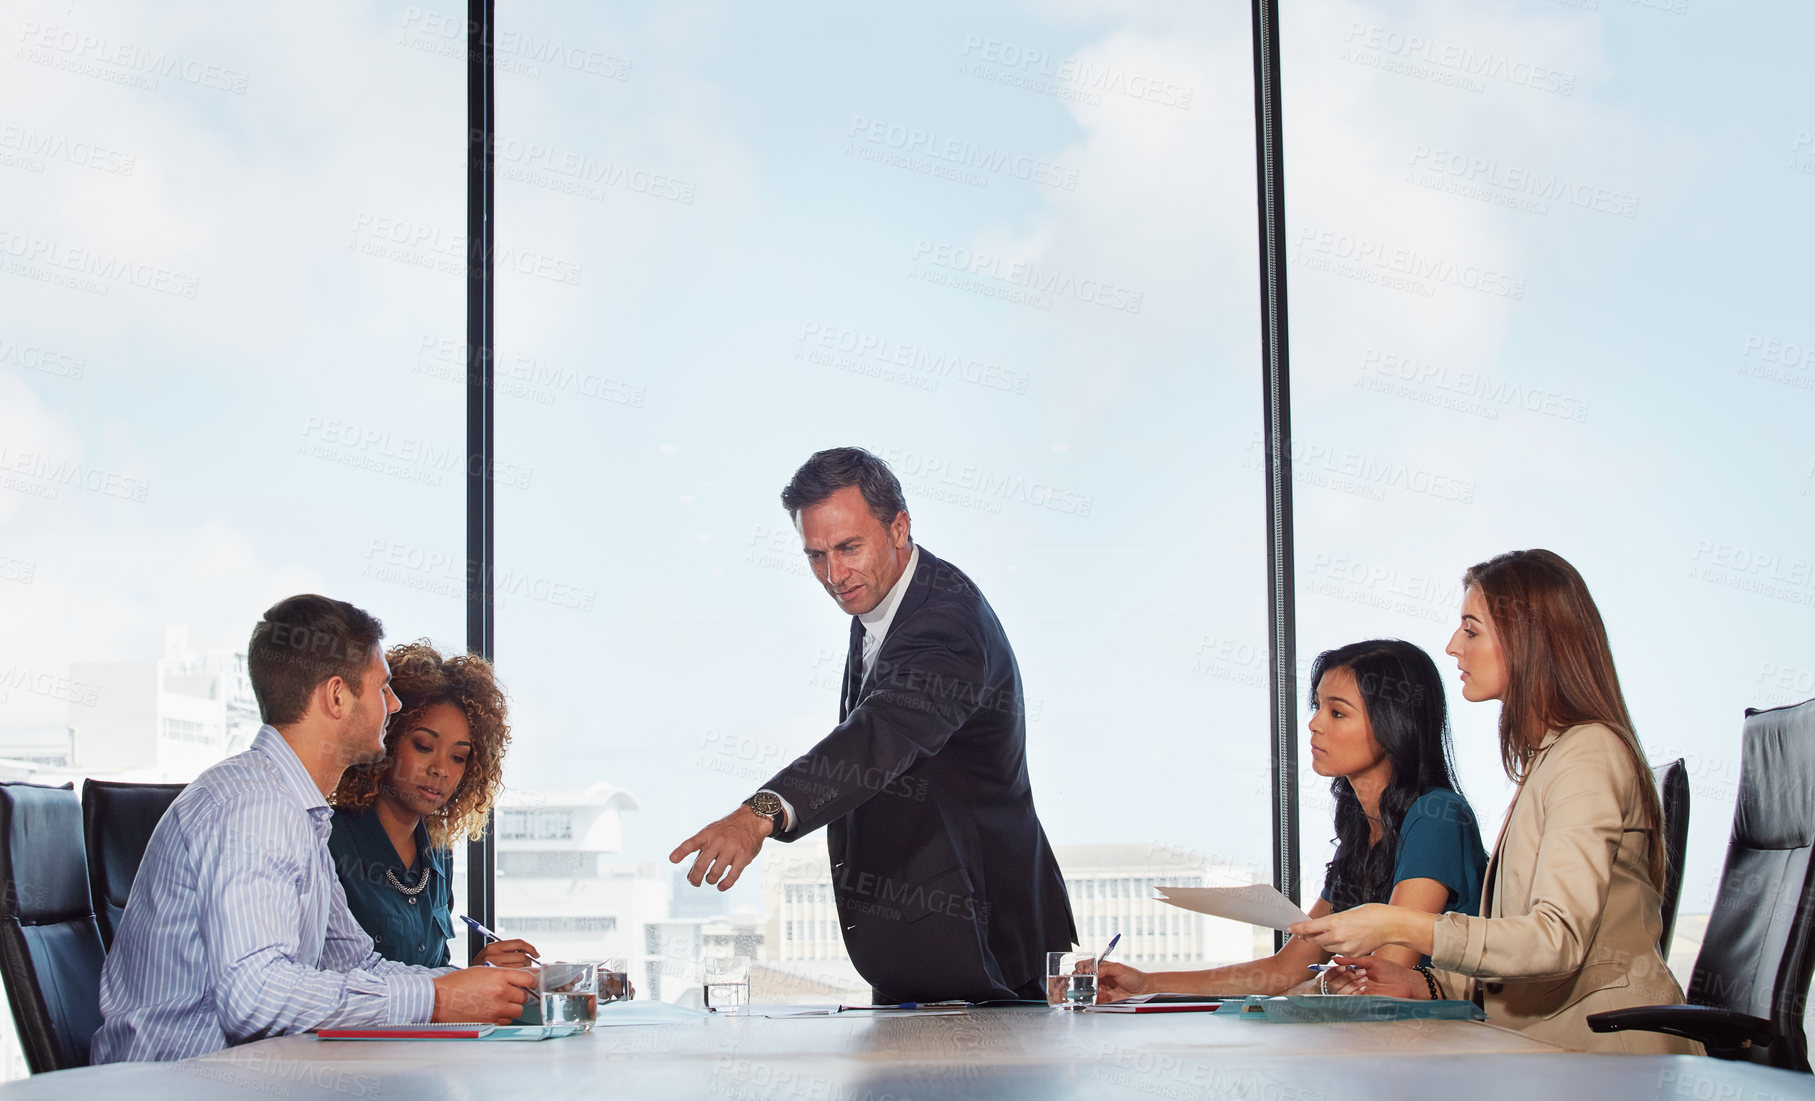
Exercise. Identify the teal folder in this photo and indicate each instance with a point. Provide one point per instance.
(1309, 1008)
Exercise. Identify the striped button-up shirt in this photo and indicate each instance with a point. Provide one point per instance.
(237, 927)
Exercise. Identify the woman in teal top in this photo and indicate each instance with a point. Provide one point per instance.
(1438, 841)
(394, 820)
(1380, 730)
(406, 907)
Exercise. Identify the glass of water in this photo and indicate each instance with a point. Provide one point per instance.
(727, 983)
(1071, 979)
(614, 980)
(569, 993)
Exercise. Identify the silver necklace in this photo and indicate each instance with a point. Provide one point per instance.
(408, 892)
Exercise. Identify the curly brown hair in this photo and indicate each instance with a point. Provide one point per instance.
(422, 678)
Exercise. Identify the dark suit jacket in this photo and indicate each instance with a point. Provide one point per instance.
(946, 886)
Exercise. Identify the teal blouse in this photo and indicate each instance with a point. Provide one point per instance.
(411, 929)
(1437, 840)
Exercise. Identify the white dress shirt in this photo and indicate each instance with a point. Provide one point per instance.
(876, 621)
(238, 928)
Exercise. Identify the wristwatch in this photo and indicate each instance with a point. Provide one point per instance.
(767, 804)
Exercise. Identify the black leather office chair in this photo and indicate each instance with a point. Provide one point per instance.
(117, 820)
(50, 950)
(1751, 981)
(1672, 788)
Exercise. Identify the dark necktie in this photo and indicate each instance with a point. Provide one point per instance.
(853, 670)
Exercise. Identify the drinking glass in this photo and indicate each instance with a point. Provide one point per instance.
(727, 983)
(1071, 979)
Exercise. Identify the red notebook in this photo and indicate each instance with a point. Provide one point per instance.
(409, 1032)
(1161, 1003)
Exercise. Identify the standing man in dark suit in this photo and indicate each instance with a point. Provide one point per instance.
(945, 884)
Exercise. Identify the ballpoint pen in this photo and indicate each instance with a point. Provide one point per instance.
(1113, 941)
(484, 932)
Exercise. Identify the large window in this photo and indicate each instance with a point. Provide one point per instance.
(230, 280)
(1549, 277)
(1011, 253)
(1547, 274)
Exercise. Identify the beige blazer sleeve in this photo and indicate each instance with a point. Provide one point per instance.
(1554, 867)
(1571, 918)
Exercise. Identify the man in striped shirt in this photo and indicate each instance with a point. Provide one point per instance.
(237, 927)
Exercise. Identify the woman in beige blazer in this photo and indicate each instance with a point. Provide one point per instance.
(1572, 891)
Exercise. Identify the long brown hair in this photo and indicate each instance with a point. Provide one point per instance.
(422, 678)
(1559, 668)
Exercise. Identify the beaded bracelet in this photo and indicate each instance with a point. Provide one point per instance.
(1430, 980)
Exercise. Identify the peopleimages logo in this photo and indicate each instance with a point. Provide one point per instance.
(39, 475)
(1312, 460)
(390, 238)
(32, 357)
(960, 153)
(575, 173)
(1463, 61)
(830, 344)
(119, 62)
(1774, 360)
(1518, 182)
(934, 473)
(24, 147)
(1379, 256)
(1493, 393)
(96, 272)
(515, 51)
(1028, 276)
(1066, 77)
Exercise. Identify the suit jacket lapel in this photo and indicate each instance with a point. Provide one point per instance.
(918, 588)
(1489, 902)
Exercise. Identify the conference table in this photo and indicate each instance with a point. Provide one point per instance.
(1008, 1053)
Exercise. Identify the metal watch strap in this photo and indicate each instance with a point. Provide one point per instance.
(768, 804)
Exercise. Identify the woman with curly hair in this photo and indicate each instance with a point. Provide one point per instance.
(395, 820)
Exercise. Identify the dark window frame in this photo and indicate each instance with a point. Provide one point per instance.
(481, 855)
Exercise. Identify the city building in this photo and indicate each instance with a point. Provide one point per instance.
(1111, 890)
(162, 719)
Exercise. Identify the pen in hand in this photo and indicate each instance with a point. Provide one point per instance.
(484, 932)
(1113, 941)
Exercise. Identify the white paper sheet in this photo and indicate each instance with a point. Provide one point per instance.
(1257, 904)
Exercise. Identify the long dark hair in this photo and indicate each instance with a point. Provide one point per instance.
(1559, 668)
(1403, 696)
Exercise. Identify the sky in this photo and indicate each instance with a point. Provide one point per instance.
(1548, 284)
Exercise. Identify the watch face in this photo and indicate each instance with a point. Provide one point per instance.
(766, 803)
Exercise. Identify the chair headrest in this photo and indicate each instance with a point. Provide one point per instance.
(117, 820)
(1776, 806)
(41, 853)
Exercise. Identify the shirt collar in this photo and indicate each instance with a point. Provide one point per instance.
(289, 768)
(876, 621)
